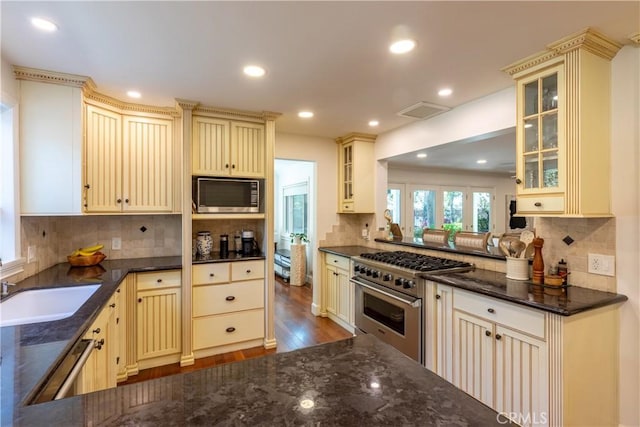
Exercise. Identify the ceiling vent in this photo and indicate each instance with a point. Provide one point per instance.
(423, 110)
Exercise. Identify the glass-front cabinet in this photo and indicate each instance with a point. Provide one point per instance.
(562, 127)
(356, 171)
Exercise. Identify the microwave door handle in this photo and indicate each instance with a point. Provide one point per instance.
(415, 303)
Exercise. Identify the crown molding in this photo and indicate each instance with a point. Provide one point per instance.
(635, 38)
(367, 137)
(270, 115)
(186, 104)
(589, 40)
(45, 76)
(530, 62)
(125, 107)
(232, 114)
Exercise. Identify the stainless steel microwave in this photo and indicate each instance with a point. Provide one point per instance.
(226, 195)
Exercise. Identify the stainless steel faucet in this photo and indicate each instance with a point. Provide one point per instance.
(5, 287)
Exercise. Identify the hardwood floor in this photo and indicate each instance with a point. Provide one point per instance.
(295, 327)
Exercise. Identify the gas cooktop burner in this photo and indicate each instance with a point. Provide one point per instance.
(417, 262)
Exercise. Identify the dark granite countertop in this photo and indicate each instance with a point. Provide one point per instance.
(348, 251)
(30, 353)
(490, 252)
(353, 382)
(572, 300)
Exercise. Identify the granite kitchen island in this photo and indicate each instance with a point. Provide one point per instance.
(357, 381)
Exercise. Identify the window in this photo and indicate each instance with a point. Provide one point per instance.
(394, 202)
(453, 211)
(296, 202)
(9, 200)
(424, 211)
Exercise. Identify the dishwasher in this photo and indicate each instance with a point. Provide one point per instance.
(61, 384)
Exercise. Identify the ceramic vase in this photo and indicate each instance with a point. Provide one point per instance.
(204, 243)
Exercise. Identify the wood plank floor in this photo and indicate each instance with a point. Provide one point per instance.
(295, 328)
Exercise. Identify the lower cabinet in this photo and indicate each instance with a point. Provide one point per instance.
(339, 294)
(158, 318)
(228, 306)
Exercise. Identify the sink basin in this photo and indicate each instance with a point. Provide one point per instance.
(44, 305)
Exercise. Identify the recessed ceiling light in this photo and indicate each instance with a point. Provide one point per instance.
(445, 92)
(481, 161)
(134, 94)
(43, 24)
(421, 155)
(254, 71)
(402, 46)
(373, 123)
(305, 114)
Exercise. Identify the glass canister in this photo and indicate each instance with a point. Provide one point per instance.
(204, 243)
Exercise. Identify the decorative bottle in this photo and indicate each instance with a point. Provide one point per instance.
(538, 262)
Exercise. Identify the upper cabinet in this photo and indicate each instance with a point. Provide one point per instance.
(228, 148)
(356, 173)
(562, 134)
(129, 162)
(50, 147)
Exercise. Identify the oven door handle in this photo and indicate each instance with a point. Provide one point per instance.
(415, 303)
(77, 368)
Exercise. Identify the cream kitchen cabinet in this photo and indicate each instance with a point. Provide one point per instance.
(444, 332)
(356, 173)
(50, 149)
(129, 163)
(500, 355)
(562, 128)
(228, 148)
(228, 306)
(158, 318)
(339, 294)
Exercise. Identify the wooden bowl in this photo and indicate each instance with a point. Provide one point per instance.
(86, 261)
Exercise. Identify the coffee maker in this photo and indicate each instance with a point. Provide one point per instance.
(249, 244)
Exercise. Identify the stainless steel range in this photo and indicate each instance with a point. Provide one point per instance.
(389, 294)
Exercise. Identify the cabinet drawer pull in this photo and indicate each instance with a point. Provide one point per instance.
(487, 333)
(491, 310)
(96, 331)
(335, 260)
(498, 336)
(248, 271)
(230, 298)
(112, 305)
(211, 274)
(231, 329)
(159, 280)
(537, 204)
(87, 186)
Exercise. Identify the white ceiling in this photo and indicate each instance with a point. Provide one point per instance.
(329, 57)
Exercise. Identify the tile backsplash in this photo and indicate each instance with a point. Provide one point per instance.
(55, 237)
(349, 231)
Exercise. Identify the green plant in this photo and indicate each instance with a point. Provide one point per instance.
(301, 236)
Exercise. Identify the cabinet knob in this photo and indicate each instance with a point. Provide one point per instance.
(231, 329)
(248, 271)
(211, 274)
(119, 201)
(159, 280)
(126, 200)
(438, 296)
(139, 299)
(87, 186)
(233, 166)
(96, 331)
(498, 336)
(118, 290)
(537, 204)
(518, 181)
(487, 333)
(226, 166)
(491, 310)
(112, 305)
(98, 345)
(230, 298)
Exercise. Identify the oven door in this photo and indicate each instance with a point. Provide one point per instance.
(392, 316)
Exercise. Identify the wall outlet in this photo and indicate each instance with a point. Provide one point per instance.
(116, 243)
(31, 254)
(602, 264)
(365, 233)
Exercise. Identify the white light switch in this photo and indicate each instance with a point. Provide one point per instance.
(116, 243)
(31, 254)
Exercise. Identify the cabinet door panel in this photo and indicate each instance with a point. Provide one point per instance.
(473, 356)
(103, 179)
(521, 377)
(210, 146)
(147, 159)
(158, 323)
(331, 289)
(344, 296)
(444, 332)
(247, 150)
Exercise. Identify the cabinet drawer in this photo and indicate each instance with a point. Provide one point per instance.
(223, 329)
(337, 261)
(247, 270)
(346, 207)
(218, 299)
(511, 315)
(540, 204)
(205, 274)
(158, 280)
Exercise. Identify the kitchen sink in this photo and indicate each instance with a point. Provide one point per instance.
(44, 305)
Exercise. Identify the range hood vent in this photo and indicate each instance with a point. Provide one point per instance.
(423, 110)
